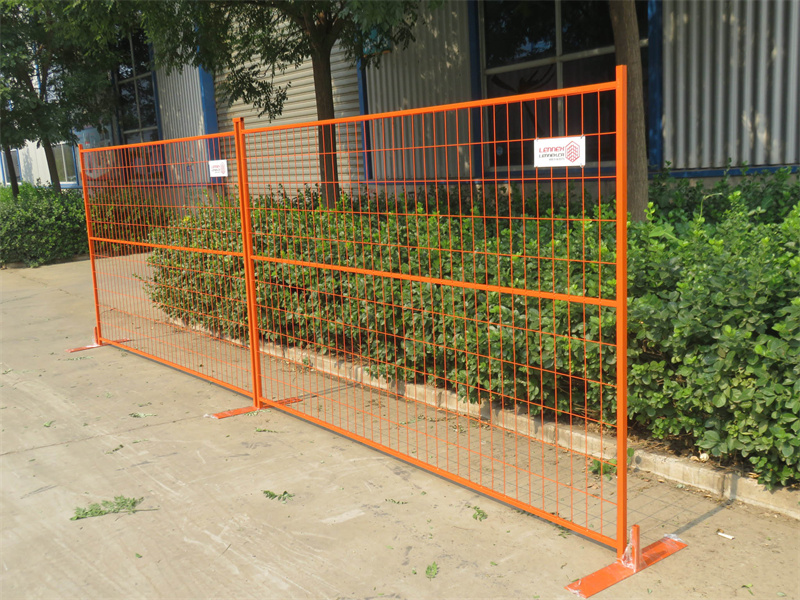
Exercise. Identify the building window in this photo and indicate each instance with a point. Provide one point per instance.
(138, 121)
(65, 163)
(539, 45)
(15, 164)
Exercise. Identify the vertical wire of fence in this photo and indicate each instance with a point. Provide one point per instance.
(413, 280)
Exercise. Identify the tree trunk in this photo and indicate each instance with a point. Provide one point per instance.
(12, 174)
(626, 44)
(323, 87)
(51, 164)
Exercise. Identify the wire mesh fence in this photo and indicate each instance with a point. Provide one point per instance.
(445, 284)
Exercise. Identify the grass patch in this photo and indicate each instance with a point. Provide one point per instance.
(282, 497)
(106, 507)
(479, 514)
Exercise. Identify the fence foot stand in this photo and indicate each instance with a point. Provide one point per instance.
(96, 343)
(235, 411)
(258, 405)
(632, 561)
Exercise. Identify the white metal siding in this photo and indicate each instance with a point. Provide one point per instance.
(731, 82)
(33, 164)
(180, 103)
(433, 70)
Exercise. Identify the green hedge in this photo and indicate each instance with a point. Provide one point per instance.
(41, 225)
(713, 318)
(715, 325)
(127, 214)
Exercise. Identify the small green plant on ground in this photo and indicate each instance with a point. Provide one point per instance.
(479, 514)
(282, 497)
(393, 501)
(607, 468)
(106, 507)
(598, 467)
(432, 570)
(140, 415)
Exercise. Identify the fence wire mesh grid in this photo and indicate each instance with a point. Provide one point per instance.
(413, 280)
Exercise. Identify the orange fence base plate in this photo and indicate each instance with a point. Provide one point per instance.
(288, 400)
(622, 569)
(235, 411)
(248, 409)
(95, 344)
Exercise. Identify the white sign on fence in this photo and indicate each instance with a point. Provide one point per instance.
(559, 152)
(218, 168)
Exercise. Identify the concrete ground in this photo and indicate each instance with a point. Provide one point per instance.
(360, 524)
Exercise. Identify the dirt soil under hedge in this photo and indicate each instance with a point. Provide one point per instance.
(360, 524)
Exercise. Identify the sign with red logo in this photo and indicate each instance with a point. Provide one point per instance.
(559, 152)
(218, 168)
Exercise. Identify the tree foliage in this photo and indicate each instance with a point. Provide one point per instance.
(54, 77)
(252, 42)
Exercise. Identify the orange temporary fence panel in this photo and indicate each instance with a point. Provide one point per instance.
(445, 284)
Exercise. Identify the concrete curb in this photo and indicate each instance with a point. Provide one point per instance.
(724, 484)
(60, 261)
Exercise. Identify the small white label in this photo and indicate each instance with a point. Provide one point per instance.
(559, 152)
(218, 168)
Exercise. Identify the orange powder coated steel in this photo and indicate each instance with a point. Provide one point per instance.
(424, 287)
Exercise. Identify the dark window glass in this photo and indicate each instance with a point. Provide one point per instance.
(129, 114)
(125, 68)
(137, 102)
(15, 160)
(519, 31)
(584, 26)
(147, 102)
(522, 81)
(596, 69)
(141, 53)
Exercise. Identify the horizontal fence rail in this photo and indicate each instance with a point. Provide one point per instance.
(434, 283)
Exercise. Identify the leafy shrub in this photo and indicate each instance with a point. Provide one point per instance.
(127, 214)
(771, 195)
(714, 320)
(410, 330)
(41, 225)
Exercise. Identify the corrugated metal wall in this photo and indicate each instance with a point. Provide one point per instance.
(301, 107)
(180, 103)
(731, 82)
(181, 107)
(300, 104)
(433, 70)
